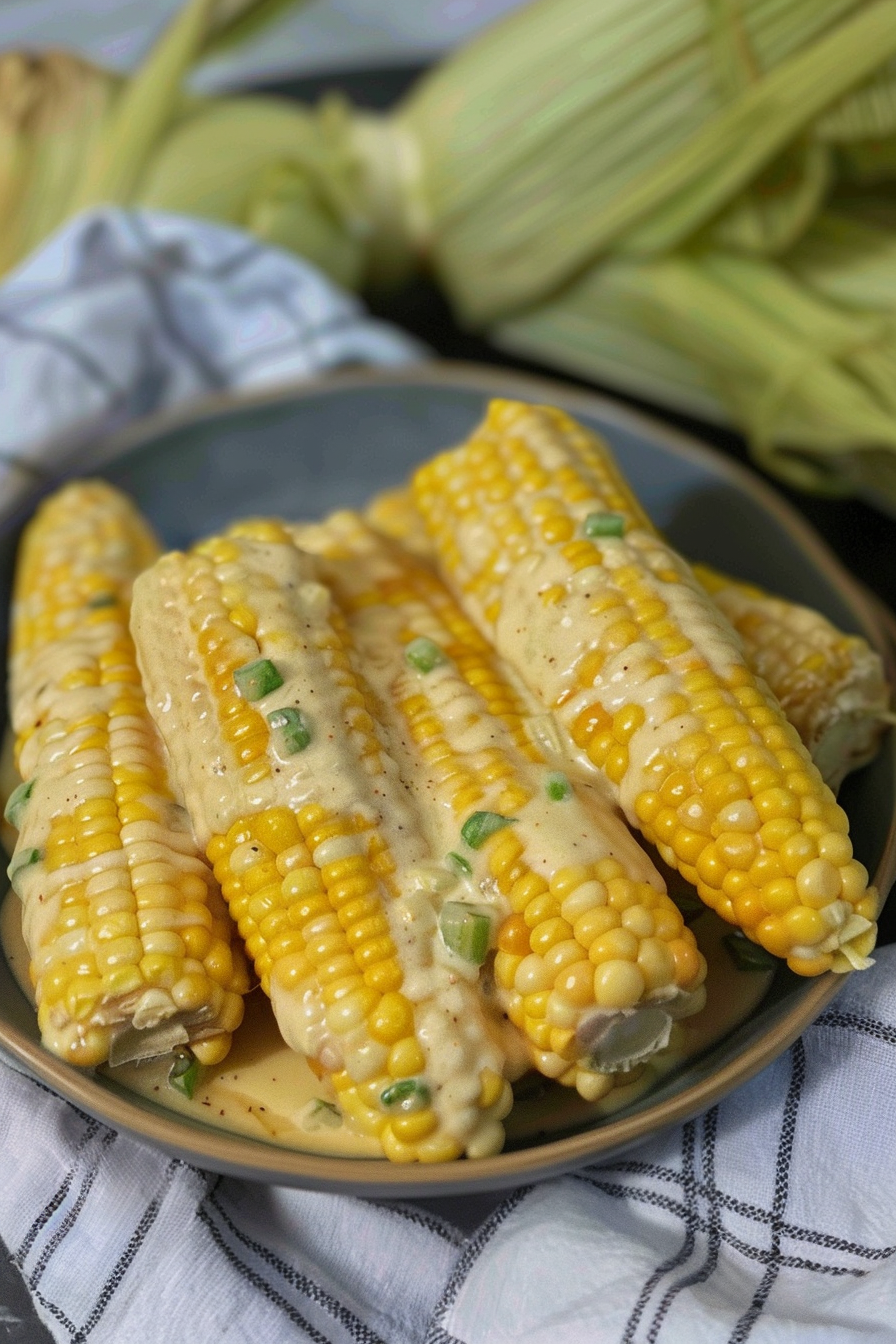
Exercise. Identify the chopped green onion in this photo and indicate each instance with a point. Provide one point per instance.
(291, 729)
(184, 1072)
(19, 861)
(102, 600)
(323, 1114)
(459, 864)
(16, 802)
(478, 827)
(424, 655)
(604, 525)
(465, 931)
(557, 787)
(408, 1094)
(257, 679)
(749, 956)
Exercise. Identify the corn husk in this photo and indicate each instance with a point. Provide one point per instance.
(691, 200)
(740, 340)
(669, 204)
(73, 135)
(53, 111)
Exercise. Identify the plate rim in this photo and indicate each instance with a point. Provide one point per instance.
(230, 1152)
(72, 452)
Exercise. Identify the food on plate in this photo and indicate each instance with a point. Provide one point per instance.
(556, 561)
(131, 947)
(406, 767)
(593, 960)
(318, 840)
(831, 685)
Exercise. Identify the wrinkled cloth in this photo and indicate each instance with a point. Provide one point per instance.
(769, 1218)
(126, 312)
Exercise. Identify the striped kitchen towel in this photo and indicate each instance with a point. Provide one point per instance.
(126, 312)
(771, 1218)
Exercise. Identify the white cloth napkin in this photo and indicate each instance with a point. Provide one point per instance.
(770, 1219)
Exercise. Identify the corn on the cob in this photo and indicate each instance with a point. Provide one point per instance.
(830, 685)
(129, 939)
(593, 960)
(394, 514)
(557, 562)
(320, 850)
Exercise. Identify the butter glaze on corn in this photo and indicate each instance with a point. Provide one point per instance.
(649, 681)
(831, 685)
(322, 854)
(593, 960)
(129, 939)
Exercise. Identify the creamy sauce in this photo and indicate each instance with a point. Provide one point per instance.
(267, 1091)
(551, 641)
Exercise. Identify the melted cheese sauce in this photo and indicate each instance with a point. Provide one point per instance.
(551, 642)
(267, 1092)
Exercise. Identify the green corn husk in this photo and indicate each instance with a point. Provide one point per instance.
(691, 200)
(800, 375)
(73, 135)
(53, 110)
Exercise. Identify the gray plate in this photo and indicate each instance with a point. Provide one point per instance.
(304, 450)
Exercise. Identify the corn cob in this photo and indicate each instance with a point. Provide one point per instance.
(128, 936)
(394, 514)
(593, 960)
(319, 848)
(558, 563)
(831, 685)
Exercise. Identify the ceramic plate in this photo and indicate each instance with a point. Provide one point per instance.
(302, 451)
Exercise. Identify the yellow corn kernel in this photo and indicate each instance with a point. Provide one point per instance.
(392, 1020)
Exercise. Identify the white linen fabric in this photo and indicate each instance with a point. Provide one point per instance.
(770, 1218)
(124, 312)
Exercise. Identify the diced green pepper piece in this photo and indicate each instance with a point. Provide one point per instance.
(458, 864)
(466, 931)
(17, 802)
(424, 654)
(480, 825)
(257, 679)
(184, 1072)
(102, 600)
(326, 1113)
(604, 525)
(408, 1094)
(749, 956)
(292, 732)
(24, 859)
(558, 787)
